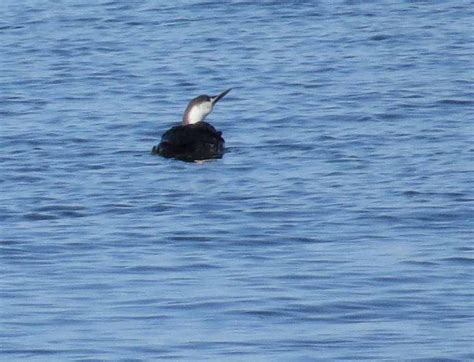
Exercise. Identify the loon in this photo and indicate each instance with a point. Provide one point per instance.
(193, 139)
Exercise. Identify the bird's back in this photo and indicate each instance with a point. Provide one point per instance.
(191, 142)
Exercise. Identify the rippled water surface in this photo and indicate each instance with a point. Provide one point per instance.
(339, 224)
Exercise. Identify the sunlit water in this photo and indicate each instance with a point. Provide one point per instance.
(339, 224)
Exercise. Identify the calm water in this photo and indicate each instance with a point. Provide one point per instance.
(338, 226)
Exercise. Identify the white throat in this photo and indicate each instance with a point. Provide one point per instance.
(197, 112)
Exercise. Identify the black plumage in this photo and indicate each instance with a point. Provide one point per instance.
(191, 142)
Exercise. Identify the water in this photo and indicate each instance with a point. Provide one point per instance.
(339, 225)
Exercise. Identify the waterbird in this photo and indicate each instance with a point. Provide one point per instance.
(193, 139)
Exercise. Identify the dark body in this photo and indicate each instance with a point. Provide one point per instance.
(199, 141)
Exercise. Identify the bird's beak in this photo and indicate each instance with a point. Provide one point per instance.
(215, 99)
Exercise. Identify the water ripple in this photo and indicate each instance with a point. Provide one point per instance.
(338, 225)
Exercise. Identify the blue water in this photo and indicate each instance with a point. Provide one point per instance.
(339, 224)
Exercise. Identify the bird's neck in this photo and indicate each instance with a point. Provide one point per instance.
(193, 115)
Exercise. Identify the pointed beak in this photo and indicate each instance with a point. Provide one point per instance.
(215, 99)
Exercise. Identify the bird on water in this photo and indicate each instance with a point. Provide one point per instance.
(193, 139)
